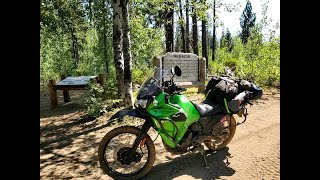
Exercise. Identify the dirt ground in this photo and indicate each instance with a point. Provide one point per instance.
(69, 143)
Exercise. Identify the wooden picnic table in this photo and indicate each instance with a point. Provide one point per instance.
(71, 83)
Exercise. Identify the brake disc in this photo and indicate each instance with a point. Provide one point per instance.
(119, 152)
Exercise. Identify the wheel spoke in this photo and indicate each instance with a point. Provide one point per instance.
(121, 143)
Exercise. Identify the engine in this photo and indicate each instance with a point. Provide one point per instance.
(205, 125)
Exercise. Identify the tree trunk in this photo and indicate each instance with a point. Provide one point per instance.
(169, 26)
(214, 30)
(128, 98)
(117, 41)
(187, 27)
(204, 38)
(75, 51)
(208, 42)
(65, 26)
(182, 28)
(105, 49)
(90, 11)
(195, 31)
(177, 47)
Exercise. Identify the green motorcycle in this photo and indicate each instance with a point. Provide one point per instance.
(127, 152)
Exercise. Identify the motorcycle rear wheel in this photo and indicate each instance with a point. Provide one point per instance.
(232, 131)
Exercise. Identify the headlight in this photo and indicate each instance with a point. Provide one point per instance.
(141, 103)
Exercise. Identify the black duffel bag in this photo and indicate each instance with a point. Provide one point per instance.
(249, 86)
(256, 92)
(219, 88)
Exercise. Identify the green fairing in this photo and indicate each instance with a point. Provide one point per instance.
(164, 111)
(192, 113)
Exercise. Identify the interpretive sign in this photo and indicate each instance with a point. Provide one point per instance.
(71, 83)
(188, 63)
(80, 80)
(193, 69)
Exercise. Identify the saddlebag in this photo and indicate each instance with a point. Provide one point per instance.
(220, 88)
(256, 92)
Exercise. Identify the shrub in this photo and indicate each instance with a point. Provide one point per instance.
(98, 99)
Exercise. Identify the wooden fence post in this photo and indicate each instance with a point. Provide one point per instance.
(102, 79)
(66, 95)
(53, 94)
(157, 63)
(202, 74)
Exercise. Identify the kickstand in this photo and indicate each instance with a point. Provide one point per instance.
(203, 153)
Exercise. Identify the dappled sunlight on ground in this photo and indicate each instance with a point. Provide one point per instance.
(69, 143)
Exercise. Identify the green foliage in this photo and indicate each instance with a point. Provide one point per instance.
(91, 57)
(146, 41)
(54, 56)
(139, 75)
(247, 21)
(98, 99)
(257, 60)
(91, 24)
(230, 63)
(226, 40)
(93, 100)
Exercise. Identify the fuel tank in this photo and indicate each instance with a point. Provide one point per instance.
(179, 110)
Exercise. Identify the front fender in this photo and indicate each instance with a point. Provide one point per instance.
(128, 112)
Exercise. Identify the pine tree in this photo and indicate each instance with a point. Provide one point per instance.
(169, 25)
(182, 27)
(247, 21)
(187, 27)
(228, 40)
(222, 39)
(194, 29)
(204, 36)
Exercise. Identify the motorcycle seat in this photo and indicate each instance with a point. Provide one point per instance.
(207, 108)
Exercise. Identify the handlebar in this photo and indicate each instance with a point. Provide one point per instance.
(180, 89)
(170, 87)
(244, 97)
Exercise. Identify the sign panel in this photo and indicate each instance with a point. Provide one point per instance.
(188, 63)
(80, 80)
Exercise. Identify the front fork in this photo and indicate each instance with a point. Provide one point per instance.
(145, 128)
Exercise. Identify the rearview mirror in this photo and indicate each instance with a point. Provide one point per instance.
(177, 71)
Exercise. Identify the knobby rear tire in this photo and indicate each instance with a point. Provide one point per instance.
(232, 130)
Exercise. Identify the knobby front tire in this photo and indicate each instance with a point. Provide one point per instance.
(116, 132)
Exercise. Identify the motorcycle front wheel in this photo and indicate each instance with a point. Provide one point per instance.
(217, 145)
(115, 146)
